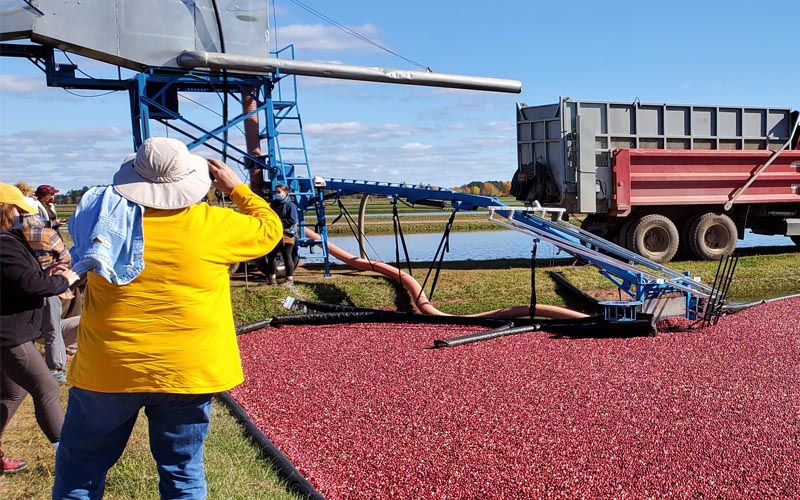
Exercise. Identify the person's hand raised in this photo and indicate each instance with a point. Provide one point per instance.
(222, 177)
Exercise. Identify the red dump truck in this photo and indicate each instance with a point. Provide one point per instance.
(660, 179)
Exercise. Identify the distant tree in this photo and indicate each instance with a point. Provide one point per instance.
(489, 189)
(486, 188)
(74, 195)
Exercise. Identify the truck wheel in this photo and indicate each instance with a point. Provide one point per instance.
(622, 235)
(684, 230)
(712, 236)
(654, 236)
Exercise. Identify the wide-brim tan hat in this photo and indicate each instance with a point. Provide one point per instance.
(11, 195)
(163, 174)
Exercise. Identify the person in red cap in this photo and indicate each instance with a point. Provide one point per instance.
(46, 195)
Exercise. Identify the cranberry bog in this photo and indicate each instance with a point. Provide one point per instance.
(367, 411)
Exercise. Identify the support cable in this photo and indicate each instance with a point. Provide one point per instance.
(351, 224)
(438, 258)
(224, 83)
(356, 34)
(398, 233)
(533, 277)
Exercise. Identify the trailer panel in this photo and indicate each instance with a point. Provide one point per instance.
(644, 177)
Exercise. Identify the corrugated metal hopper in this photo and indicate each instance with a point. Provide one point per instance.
(138, 33)
(188, 34)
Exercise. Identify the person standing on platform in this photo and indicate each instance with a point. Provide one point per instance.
(287, 211)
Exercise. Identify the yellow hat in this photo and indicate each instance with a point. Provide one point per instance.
(10, 195)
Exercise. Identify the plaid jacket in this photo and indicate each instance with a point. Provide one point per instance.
(47, 245)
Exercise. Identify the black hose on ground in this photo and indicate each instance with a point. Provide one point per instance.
(580, 299)
(376, 316)
(286, 470)
(251, 327)
(486, 335)
(324, 307)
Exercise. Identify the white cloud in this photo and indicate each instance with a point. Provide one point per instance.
(495, 126)
(22, 84)
(447, 163)
(356, 130)
(67, 159)
(311, 82)
(415, 146)
(505, 126)
(339, 128)
(322, 37)
(490, 142)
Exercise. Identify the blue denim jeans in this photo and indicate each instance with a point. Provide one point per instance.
(97, 427)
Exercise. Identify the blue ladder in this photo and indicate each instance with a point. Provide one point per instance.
(288, 156)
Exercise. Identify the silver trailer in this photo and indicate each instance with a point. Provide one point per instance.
(570, 155)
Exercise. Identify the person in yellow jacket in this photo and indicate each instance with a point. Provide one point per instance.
(165, 341)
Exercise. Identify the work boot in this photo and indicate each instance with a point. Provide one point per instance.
(289, 281)
(271, 279)
(8, 466)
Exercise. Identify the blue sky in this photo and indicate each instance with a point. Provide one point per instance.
(704, 52)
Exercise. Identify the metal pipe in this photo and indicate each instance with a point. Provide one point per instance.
(218, 61)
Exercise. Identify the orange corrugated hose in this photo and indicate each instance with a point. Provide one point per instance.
(422, 303)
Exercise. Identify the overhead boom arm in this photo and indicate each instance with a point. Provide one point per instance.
(270, 65)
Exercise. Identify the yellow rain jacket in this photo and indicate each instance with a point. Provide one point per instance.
(171, 329)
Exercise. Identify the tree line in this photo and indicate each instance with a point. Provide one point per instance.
(486, 188)
(73, 196)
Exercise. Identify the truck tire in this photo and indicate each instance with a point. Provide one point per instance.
(712, 236)
(684, 231)
(654, 236)
(622, 235)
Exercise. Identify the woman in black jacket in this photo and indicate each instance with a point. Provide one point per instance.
(287, 211)
(23, 286)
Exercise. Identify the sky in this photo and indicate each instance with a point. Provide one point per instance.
(735, 52)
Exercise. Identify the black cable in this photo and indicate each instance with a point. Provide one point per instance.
(274, 26)
(224, 82)
(87, 75)
(379, 316)
(438, 258)
(350, 224)
(96, 95)
(356, 34)
(398, 233)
